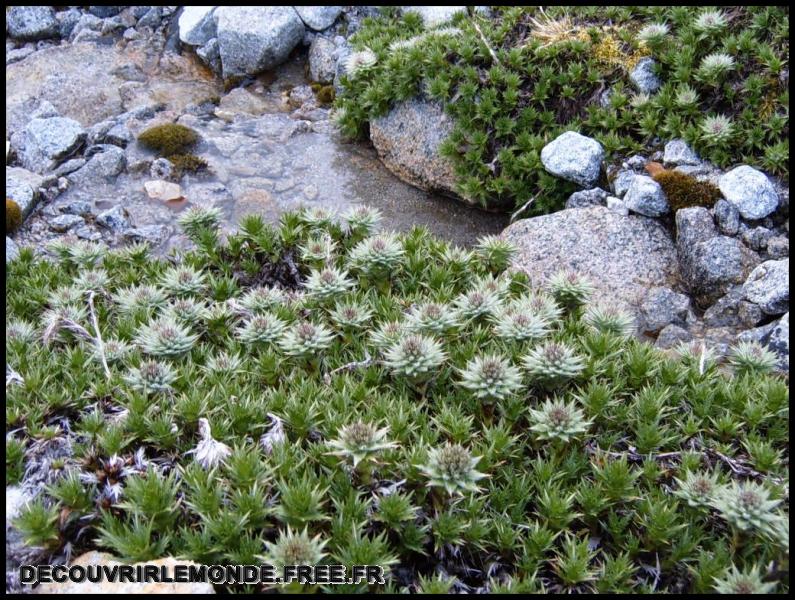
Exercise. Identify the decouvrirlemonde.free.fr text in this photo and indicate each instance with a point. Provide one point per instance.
(214, 574)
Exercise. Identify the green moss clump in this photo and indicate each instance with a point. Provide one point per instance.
(187, 163)
(169, 139)
(683, 191)
(325, 94)
(13, 216)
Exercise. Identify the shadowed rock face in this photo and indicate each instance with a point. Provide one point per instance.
(622, 256)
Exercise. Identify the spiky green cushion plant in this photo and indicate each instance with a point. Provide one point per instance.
(221, 416)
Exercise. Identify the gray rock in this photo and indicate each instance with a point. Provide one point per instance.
(22, 186)
(210, 54)
(86, 24)
(768, 286)
(101, 167)
(45, 110)
(31, 22)
(341, 55)
(727, 217)
(622, 182)
(617, 205)
(677, 152)
(712, 267)
(778, 341)
(756, 237)
(67, 19)
(750, 191)
(111, 25)
(114, 219)
(161, 169)
(154, 234)
(151, 18)
(586, 198)
(252, 39)
(119, 135)
(574, 157)
(663, 306)
(131, 34)
(64, 223)
(43, 143)
(778, 247)
(732, 310)
(435, 15)
(407, 140)
(672, 336)
(600, 245)
(646, 197)
(87, 233)
(318, 17)
(636, 162)
(12, 250)
(77, 207)
(322, 64)
(196, 25)
(103, 12)
(16, 55)
(643, 77)
(693, 226)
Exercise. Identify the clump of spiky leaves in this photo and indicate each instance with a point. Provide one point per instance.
(376, 256)
(165, 336)
(262, 299)
(142, 297)
(747, 506)
(491, 378)
(569, 289)
(558, 420)
(551, 364)
(496, 251)
(362, 220)
(752, 358)
(350, 315)
(697, 488)
(197, 218)
(414, 356)
(452, 468)
(431, 317)
(735, 581)
(360, 442)
(152, 376)
(610, 319)
(261, 328)
(517, 322)
(294, 548)
(183, 281)
(477, 303)
(306, 339)
(327, 284)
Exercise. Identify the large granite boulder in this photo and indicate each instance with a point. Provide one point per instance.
(408, 138)
(624, 257)
(22, 186)
(252, 39)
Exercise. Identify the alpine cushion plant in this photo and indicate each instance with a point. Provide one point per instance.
(410, 419)
(514, 79)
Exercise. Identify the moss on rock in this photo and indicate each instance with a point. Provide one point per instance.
(13, 216)
(169, 139)
(683, 190)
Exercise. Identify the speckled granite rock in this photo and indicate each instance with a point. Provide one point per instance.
(622, 256)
